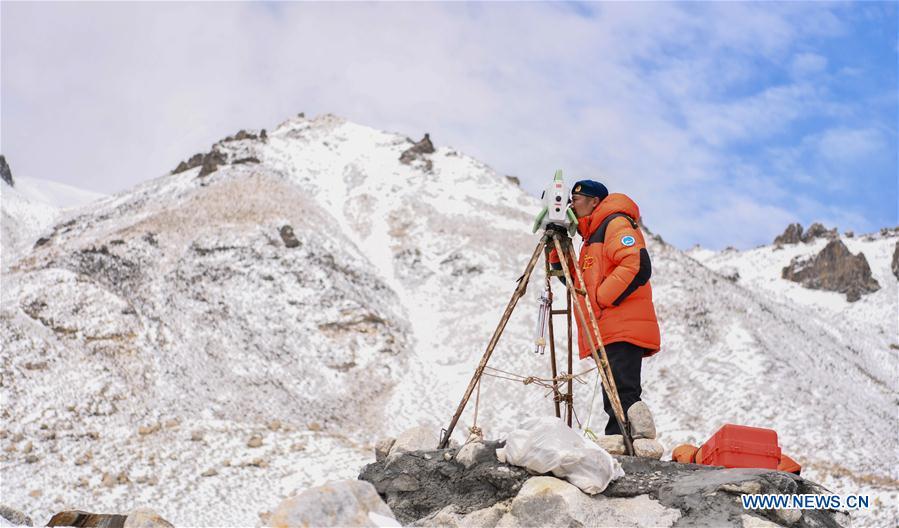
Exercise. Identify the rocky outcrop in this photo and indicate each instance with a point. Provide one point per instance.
(208, 162)
(417, 153)
(835, 268)
(211, 162)
(5, 173)
(792, 235)
(342, 503)
(194, 161)
(817, 230)
(434, 488)
(221, 154)
(243, 134)
(420, 483)
(895, 264)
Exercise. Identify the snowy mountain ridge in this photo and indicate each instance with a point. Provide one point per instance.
(187, 307)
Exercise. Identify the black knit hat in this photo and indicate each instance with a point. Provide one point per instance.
(590, 188)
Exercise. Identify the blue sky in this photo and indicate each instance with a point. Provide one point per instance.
(725, 121)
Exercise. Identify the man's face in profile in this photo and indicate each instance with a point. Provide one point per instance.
(583, 205)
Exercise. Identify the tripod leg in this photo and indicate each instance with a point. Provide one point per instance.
(552, 341)
(519, 291)
(602, 365)
(570, 401)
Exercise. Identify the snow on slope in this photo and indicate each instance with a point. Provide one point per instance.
(32, 206)
(21, 220)
(873, 319)
(178, 304)
(54, 193)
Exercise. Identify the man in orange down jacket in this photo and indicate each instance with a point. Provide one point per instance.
(616, 269)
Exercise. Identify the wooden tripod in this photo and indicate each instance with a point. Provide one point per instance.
(565, 249)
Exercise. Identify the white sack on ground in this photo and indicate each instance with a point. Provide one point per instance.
(547, 445)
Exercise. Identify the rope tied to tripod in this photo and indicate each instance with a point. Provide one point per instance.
(536, 380)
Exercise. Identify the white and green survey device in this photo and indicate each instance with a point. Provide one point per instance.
(556, 210)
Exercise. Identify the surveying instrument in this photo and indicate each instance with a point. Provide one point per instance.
(559, 223)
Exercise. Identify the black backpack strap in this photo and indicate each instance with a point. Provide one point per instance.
(599, 236)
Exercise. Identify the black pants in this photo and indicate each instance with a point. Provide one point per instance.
(625, 360)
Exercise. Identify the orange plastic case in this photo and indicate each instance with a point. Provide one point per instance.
(740, 446)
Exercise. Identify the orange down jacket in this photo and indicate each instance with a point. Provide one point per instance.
(616, 270)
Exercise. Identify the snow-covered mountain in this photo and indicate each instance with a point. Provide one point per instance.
(29, 206)
(308, 287)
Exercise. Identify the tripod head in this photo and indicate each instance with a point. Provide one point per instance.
(556, 211)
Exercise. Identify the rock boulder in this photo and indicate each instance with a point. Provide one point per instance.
(640, 421)
(341, 503)
(415, 439)
(835, 268)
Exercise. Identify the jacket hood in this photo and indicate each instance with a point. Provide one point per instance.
(613, 203)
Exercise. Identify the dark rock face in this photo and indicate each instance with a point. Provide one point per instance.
(895, 265)
(195, 161)
(420, 483)
(418, 151)
(5, 173)
(792, 235)
(211, 162)
(817, 230)
(834, 269)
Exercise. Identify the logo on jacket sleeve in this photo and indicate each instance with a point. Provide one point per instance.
(628, 240)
